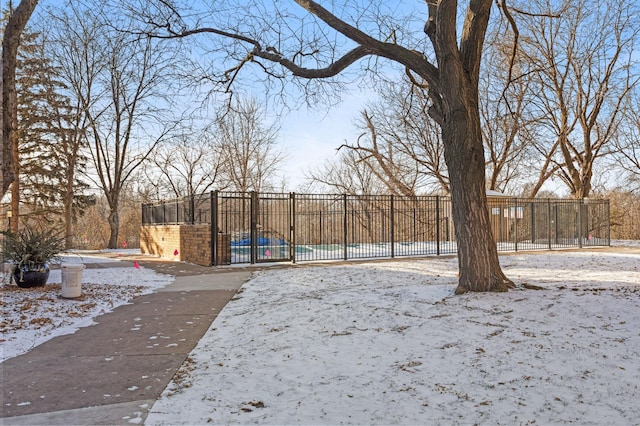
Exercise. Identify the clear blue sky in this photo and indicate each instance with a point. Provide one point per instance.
(311, 137)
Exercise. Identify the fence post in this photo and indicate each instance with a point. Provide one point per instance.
(213, 199)
(438, 225)
(533, 223)
(586, 218)
(345, 222)
(415, 222)
(549, 221)
(292, 230)
(580, 204)
(608, 210)
(555, 222)
(320, 233)
(392, 225)
(253, 244)
(193, 209)
(515, 223)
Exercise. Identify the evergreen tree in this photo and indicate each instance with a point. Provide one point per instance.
(50, 141)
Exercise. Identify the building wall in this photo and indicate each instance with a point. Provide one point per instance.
(195, 241)
(187, 243)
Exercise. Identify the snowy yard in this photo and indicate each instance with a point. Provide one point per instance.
(388, 343)
(30, 317)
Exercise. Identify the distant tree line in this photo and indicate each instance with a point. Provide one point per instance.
(97, 107)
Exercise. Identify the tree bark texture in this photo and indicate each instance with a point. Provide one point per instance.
(478, 263)
(15, 185)
(457, 109)
(10, 43)
(114, 228)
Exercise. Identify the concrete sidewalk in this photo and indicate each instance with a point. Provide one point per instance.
(111, 373)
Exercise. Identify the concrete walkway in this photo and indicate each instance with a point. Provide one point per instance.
(111, 373)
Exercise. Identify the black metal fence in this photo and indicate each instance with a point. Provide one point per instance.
(267, 227)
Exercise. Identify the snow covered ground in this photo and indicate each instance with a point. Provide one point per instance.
(389, 343)
(625, 243)
(30, 317)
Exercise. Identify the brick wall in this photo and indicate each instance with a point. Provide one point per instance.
(159, 240)
(196, 244)
(188, 243)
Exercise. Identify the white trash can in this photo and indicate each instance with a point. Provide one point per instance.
(72, 280)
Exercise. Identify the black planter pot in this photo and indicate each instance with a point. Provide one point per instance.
(31, 276)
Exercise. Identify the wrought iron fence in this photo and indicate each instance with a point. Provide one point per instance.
(267, 227)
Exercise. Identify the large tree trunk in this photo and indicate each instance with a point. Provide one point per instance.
(478, 263)
(15, 186)
(457, 110)
(114, 228)
(15, 194)
(10, 41)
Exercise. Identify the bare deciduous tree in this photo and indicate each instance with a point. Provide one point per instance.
(628, 141)
(401, 144)
(324, 43)
(583, 65)
(246, 144)
(505, 99)
(346, 174)
(188, 164)
(121, 82)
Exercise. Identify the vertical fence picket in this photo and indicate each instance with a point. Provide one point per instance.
(392, 225)
(192, 207)
(532, 222)
(438, 225)
(549, 222)
(580, 204)
(608, 215)
(515, 223)
(253, 240)
(215, 226)
(344, 227)
(292, 230)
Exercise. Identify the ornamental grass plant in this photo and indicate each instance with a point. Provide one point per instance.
(30, 247)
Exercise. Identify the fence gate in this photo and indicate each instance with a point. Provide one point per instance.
(259, 225)
(271, 227)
